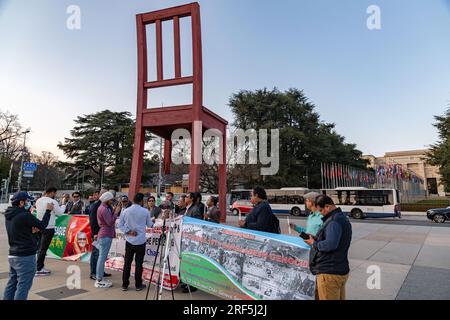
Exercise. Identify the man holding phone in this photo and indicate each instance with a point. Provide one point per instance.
(314, 221)
(328, 258)
(20, 227)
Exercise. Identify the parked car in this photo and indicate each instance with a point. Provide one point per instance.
(439, 215)
(241, 206)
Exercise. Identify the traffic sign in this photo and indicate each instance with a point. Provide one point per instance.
(28, 174)
(29, 166)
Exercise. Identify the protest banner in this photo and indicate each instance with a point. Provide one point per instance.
(116, 256)
(241, 264)
(72, 239)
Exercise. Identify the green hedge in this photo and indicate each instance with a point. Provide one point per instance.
(422, 207)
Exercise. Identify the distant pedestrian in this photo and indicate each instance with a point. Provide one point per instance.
(47, 234)
(20, 227)
(107, 222)
(133, 223)
(314, 221)
(261, 217)
(329, 251)
(212, 212)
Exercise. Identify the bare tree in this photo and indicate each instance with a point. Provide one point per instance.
(10, 131)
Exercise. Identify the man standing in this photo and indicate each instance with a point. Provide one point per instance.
(92, 200)
(133, 223)
(75, 206)
(47, 234)
(95, 228)
(122, 205)
(153, 209)
(180, 209)
(314, 221)
(192, 210)
(20, 226)
(169, 197)
(261, 218)
(212, 212)
(107, 222)
(329, 252)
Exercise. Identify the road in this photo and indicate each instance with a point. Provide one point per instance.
(406, 220)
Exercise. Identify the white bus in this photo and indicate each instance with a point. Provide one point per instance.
(282, 201)
(360, 203)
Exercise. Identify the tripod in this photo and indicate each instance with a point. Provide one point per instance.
(164, 260)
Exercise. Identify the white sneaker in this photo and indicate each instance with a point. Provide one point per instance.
(42, 273)
(103, 284)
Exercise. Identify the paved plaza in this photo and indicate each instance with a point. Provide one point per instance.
(414, 261)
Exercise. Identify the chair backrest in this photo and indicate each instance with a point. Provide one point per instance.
(196, 79)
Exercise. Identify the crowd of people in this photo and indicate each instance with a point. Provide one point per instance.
(31, 228)
(328, 232)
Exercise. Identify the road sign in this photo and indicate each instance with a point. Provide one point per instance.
(29, 166)
(28, 174)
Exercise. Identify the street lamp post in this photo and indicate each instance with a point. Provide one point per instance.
(19, 180)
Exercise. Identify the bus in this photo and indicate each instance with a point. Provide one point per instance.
(282, 201)
(360, 202)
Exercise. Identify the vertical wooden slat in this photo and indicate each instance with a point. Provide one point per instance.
(197, 89)
(139, 137)
(159, 50)
(177, 53)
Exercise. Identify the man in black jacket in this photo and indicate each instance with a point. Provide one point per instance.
(192, 209)
(20, 226)
(95, 228)
(329, 251)
(261, 218)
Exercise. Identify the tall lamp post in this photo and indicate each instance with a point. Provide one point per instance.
(19, 180)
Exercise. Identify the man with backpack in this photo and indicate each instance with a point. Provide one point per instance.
(261, 218)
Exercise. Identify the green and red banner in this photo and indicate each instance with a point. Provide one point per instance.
(72, 239)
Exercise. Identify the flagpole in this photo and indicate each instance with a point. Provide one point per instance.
(321, 173)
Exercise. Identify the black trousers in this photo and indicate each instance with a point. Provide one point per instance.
(44, 243)
(130, 252)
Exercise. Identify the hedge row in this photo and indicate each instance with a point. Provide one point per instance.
(421, 207)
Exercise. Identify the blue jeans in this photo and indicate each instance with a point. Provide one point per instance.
(21, 275)
(93, 261)
(105, 245)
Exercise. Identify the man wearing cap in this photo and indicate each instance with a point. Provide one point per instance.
(20, 226)
(314, 221)
(122, 205)
(133, 223)
(107, 222)
(95, 228)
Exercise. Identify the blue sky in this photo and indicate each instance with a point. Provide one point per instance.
(381, 88)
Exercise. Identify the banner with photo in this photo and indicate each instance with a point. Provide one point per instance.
(72, 239)
(240, 264)
(116, 256)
